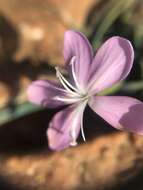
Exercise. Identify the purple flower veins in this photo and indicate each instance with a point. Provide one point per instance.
(88, 75)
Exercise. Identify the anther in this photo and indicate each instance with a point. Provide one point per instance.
(73, 143)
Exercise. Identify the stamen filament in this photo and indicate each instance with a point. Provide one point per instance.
(74, 127)
(66, 83)
(81, 123)
(73, 135)
(73, 71)
(62, 82)
(68, 100)
(82, 131)
(73, 143)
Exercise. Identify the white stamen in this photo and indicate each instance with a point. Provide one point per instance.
(62, 82)
(81, 122)
(82, 131)
(73, 71)
(65, 83)
(73, 131)
(68, 100)
(73, 135)
(73, 143)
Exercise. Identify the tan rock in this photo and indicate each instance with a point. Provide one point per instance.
(100, 164)
(40, 25)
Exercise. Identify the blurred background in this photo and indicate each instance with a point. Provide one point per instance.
(31, 42)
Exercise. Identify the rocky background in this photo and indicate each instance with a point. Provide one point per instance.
(31, 41)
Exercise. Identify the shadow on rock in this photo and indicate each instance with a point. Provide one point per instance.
(25, 134)
(6, 185)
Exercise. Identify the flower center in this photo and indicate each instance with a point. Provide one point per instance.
(73, 93)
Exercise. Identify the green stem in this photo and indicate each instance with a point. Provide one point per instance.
(115, 9)
(133, 86)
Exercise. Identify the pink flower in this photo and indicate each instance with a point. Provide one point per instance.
(88, 76)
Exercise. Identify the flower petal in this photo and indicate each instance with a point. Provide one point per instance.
(120, 112)
(111, 64)
(60, 128)
(77, 45)
(43, 92)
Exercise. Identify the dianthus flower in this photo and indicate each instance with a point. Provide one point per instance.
(88, 75)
